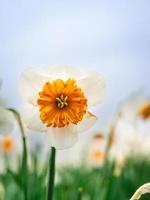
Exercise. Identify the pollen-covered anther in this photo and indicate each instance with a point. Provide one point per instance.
(62, 101)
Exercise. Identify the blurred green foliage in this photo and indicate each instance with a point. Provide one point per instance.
(82, 182)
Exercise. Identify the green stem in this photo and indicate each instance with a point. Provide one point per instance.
(80, 192)
(51, 178)
(24, 167)
(6, 160)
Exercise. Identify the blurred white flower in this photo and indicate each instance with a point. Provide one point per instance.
(6, 121)
(57, 101)
(132, 127)
(123, 141)
(10, 151)
(97, 149)
(6, 118)
(128, 108)
(7, 144)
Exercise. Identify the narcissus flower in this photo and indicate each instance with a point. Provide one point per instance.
(97, 149)
(6, 121)
(97, 155)
(133, 124)
(57, 101)
(7, 144)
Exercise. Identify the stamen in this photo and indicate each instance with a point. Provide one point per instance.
(62, 101)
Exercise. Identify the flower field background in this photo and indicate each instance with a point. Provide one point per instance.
(110, 166)
(75, 182)
(106, 165)
(78, 133)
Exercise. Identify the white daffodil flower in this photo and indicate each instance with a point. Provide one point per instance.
(6, 121)
(97, 148)
(57, 101)
(135, 106)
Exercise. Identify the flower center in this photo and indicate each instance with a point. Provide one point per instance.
(7, 144)
(61, 103)
(144, 110)
(97, 155)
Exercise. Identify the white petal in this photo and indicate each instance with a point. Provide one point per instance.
(63, 72)
(88, 122)
(31, 118)
(62, 138)
(31, 83)
(6, 121)
(94, 87)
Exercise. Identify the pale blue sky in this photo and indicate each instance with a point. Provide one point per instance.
(112, 37)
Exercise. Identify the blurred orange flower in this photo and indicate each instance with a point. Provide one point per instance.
(144, 110)
(97, 149)
(97, 155)
(7, 144)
